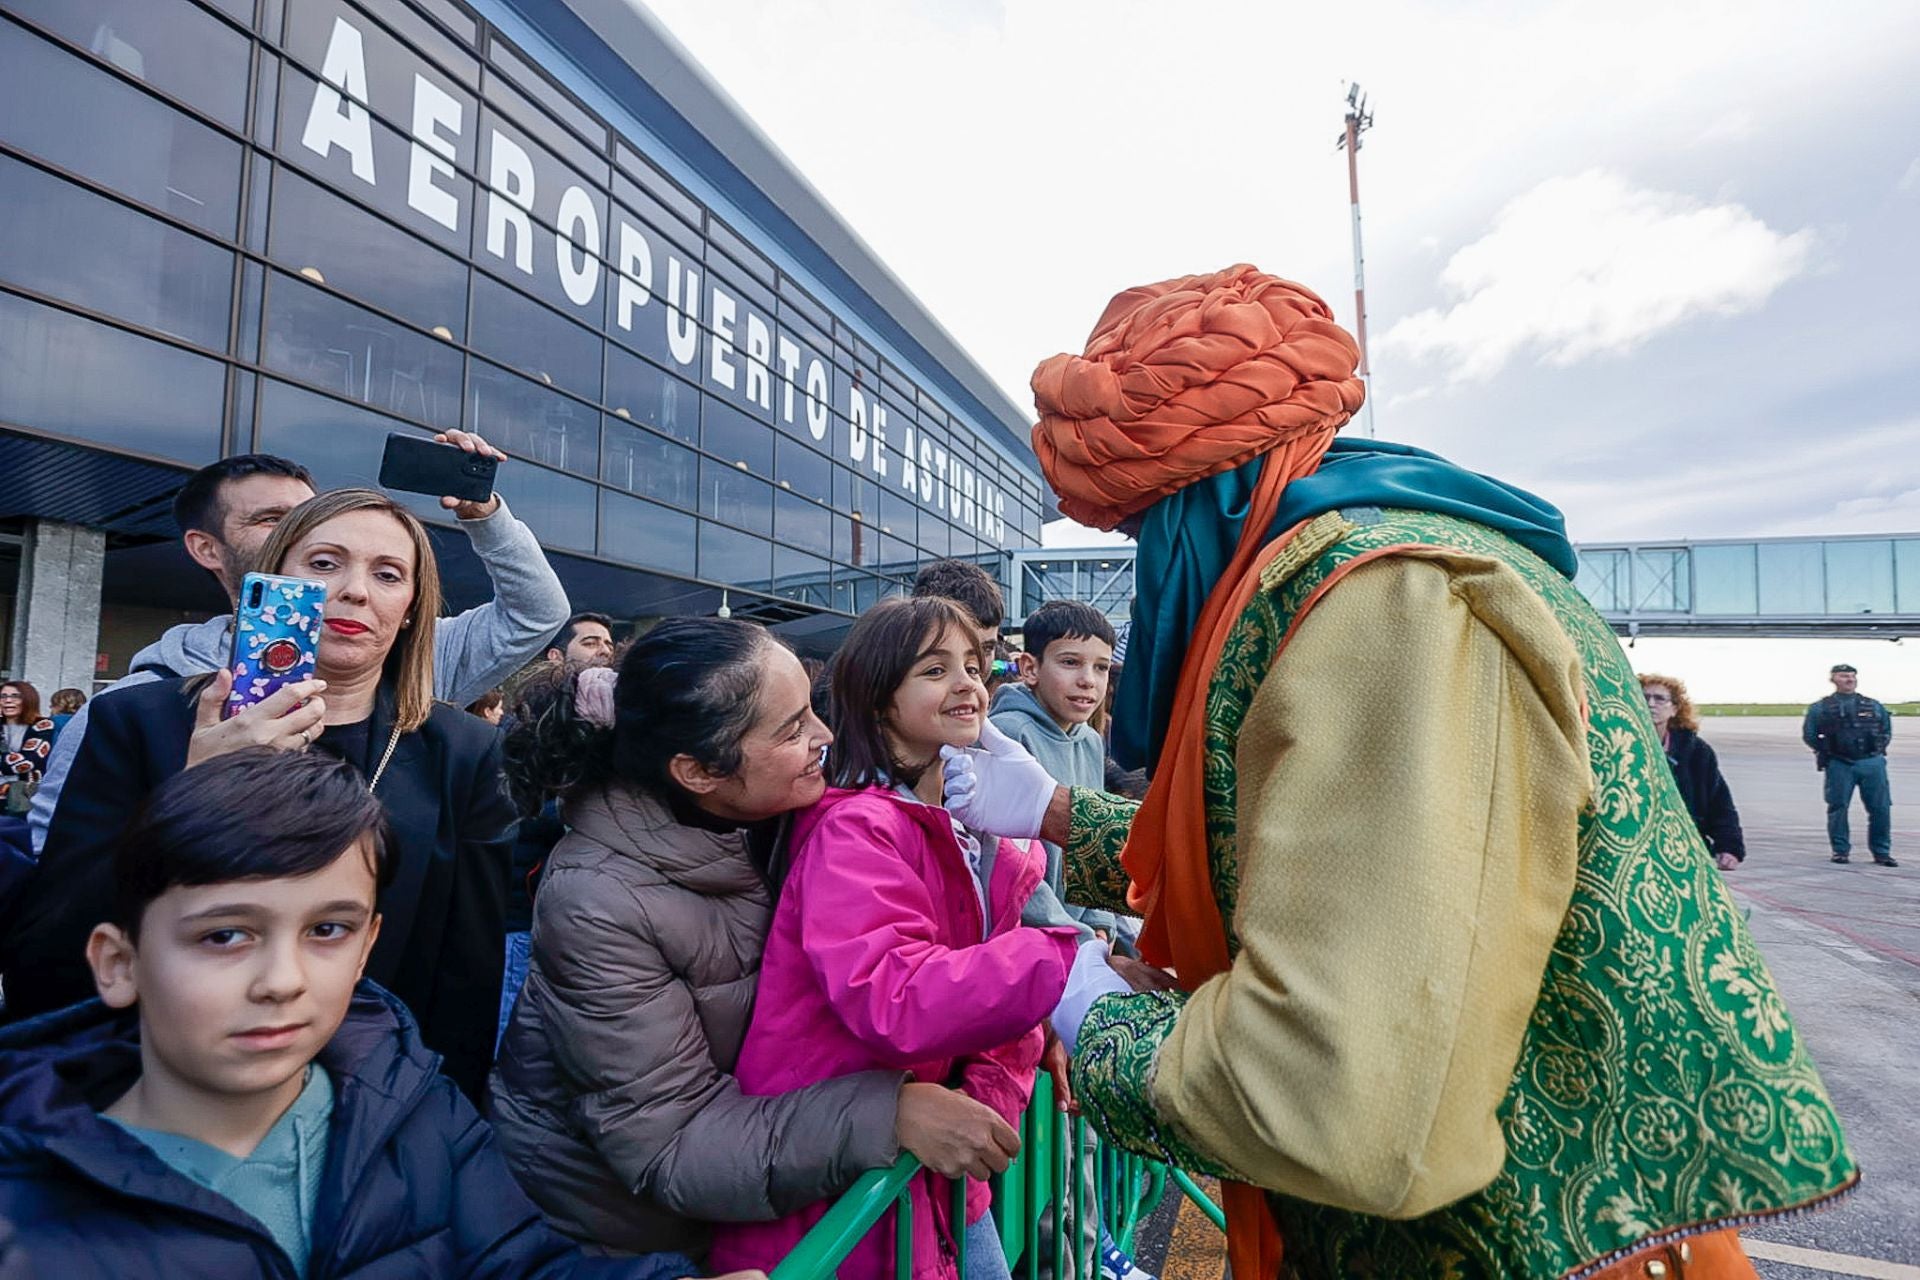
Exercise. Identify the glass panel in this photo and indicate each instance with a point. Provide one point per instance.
(1791, 578)
(1859, 577)
(642, 392)
(530, 420)
(366, 256)
(322, 340)
(155, 275)
(1660, 583)
(732, 557)
(84, 120)
(557, 508)
(802, 577)
(730, 494)
(801, 470)
(1906, 559)
(518, 331)
(734, 437)
(1723, 580)
(1603, 580)
(647, 464)
(645, 533)
(76, 377)
(339, 443)
(176, 47)
(804, 524)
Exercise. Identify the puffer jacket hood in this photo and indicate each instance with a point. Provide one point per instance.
(413, 1185)
(614, 1095)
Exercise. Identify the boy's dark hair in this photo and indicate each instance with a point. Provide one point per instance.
(198, 505)
(572, 628)
(1064, 620)
(965, 583)
(257, 814)
(869, 669)
(690, 685)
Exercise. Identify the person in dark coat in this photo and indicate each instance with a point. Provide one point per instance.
(435, 769)
(238, 1102)
(1696, 769)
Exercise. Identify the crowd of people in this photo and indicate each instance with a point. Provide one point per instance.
(504, 947)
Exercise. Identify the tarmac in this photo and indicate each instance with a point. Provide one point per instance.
(1843, 943)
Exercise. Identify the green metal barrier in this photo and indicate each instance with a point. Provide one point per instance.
(1047, 1184)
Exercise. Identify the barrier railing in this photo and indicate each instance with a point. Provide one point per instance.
(1064, 1177)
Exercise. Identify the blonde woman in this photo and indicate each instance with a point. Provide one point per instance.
(1696, 769)
(436, 770)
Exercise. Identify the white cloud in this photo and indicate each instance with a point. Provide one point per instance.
(1910, 180)
(1590, 265)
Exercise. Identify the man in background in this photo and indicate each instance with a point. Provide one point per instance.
(1849, 733)
(586, 640)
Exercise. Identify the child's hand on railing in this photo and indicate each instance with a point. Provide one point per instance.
(1054, 1062)
(952, 1134)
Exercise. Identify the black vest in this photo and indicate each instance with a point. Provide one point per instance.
(1851, 737)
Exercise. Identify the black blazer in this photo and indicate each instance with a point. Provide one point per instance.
(1704, 788)
(442, 934)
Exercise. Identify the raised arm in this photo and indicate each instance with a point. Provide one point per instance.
(1411, 775)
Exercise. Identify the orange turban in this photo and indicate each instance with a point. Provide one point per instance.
(1185, 379)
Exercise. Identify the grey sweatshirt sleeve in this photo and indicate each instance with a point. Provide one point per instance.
(476, 650)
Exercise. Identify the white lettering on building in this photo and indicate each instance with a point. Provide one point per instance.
(510, 201)
(341, 121)
(431, 153)
(579, 231)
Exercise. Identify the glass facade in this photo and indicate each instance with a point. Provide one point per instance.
(303, 228)
(1783, 578)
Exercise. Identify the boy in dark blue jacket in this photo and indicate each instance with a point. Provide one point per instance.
(238, 1102)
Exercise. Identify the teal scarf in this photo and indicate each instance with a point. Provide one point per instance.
(1188, 537)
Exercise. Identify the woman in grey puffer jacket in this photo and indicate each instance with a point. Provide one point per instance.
(613, 1096)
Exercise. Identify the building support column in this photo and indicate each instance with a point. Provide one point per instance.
(56, 625)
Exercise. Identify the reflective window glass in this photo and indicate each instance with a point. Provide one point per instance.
(157, 276)
(634, 531)
(340, 443)
(733, 436)
(935, 536)
(648, 464)
(802, 577)
(642, 266)
(732, 557)
(530, 420)
(568, 272)
(404, 17)
(320, 339)
(1860, 577)
(517, 331)
(87, 121)
(75, 377)
(643, 392)
(1906, 560)
(730, 494)
(1660, 580)
(557, 508)
(1792, 578)
(898, 516)
(800, 469)
(1723, 580)
(173, 45)
(362, 254)
(804, 524)
(1602, 579)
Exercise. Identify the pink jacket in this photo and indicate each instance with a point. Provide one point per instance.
(875, 960)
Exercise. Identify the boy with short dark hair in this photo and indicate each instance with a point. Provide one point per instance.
(239, 1101)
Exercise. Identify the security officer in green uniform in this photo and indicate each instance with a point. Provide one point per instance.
(1848, 733)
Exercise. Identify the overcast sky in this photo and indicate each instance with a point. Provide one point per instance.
(1656, 261)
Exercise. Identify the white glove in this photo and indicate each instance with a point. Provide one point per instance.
(997, 788)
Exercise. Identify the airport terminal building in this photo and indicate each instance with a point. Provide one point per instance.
(296, 226)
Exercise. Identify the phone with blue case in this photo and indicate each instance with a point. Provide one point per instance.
(276, 636)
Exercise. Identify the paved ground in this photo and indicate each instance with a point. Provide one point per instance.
(1844, 945)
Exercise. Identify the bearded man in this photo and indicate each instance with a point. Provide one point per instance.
(1464, 996)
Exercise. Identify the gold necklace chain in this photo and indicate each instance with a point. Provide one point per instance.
(393, 741)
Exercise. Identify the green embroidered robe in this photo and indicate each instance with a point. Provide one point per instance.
(1660, 1088)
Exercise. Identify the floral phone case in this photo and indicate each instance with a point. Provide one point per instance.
(276, 635)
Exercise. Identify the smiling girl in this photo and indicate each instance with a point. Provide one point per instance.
(897, 941)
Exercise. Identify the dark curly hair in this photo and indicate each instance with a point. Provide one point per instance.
(690, 686)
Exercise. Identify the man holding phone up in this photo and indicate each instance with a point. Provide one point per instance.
(226, 511)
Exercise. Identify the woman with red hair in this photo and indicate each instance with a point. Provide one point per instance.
(1696, 770)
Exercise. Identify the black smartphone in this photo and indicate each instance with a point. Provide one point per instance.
(416, 465)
